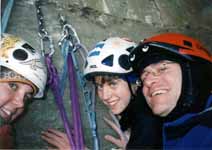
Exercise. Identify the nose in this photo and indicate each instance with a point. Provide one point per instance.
(18, 100)
(106, 93)
(151, 78)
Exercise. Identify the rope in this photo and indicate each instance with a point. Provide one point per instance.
(53, 81)
(71, 40)
(75, 106)
(70, 44)
(66, 51)
(53, 78)
(6, 15)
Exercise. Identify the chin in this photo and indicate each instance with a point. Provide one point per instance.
(159, 113)
(116, 112)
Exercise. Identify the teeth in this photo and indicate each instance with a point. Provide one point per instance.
(158, 92)
(112, 103)
(6, 111)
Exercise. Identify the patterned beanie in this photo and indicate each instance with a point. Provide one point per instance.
(7, 75)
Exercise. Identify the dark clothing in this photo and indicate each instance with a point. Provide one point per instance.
(146, 133)
(146, 129)
(192, 130)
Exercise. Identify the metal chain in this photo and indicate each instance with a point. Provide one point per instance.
(45, 38)
(53, 76)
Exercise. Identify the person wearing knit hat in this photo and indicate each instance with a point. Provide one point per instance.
(23, 76)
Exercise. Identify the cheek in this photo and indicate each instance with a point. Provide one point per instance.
(100, 97)
(178, 81)
(177, 84)
(124, 92)
(5, 97)
(125, 97)
(99, 93)
(144, 91)
(178, 88)
(18, 113)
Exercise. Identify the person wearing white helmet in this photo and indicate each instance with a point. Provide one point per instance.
(23, 76)
(107, 66)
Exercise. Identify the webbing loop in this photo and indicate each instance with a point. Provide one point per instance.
(69, 40)
(53, 78)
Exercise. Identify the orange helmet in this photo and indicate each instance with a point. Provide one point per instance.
(195, 62)
(175, 44)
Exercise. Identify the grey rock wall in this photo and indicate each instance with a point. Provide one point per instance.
(93, 21)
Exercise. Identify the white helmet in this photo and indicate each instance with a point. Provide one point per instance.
(109, 56)
(17, 55)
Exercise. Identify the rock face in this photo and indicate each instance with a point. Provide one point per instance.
(95, 20)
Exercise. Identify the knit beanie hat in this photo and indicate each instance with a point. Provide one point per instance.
(8, 75)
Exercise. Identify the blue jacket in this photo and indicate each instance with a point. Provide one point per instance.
(191, 131)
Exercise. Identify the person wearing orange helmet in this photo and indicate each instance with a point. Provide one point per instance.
(22, 76)
(176, 75)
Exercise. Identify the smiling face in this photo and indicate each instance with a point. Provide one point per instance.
(162, 83)
(12, 99)
(114, 93)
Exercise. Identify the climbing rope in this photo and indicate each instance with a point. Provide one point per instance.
(6, 15)
(70, 45)
(53, 78)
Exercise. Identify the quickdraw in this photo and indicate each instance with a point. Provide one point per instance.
(6, 15)
(70, 44)
(53, 78)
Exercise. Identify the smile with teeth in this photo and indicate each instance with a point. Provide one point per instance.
(6, 113)
(112, 103)
(158, 92)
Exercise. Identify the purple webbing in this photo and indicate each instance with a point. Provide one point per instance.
(78, 134)
(53, 82)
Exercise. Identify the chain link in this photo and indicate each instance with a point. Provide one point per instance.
(45, 39)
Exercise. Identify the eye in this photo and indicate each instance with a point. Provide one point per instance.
(13, 86)
(98, 86)
(113, 83)
(143, 75)
(163, 68)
